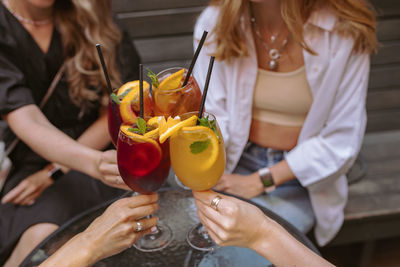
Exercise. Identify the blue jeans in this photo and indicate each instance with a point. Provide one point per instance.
(289, 200)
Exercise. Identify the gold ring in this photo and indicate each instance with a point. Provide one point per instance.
(139, 226)
(214, 202)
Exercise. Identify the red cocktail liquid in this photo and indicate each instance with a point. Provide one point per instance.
(141, 165)
(114, 120)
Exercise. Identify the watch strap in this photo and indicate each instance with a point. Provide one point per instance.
(54, 171)
(267, 179)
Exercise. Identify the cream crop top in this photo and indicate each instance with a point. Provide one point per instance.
(282, 98)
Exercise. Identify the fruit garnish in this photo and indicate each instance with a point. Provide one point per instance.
(153, 134)
(205, 142)
(155, 121)
(153, 77)
(128, 115)
(174, 81)
(126, 88)
(127, 130)
(175, 127)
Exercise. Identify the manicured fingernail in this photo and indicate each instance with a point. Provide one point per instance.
(154, 228)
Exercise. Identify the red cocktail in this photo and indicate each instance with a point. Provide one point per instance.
(144, 166)
(123, 107)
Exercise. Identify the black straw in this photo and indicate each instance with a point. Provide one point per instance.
(103, 64)
(203, 99)
(196, 55)
(141, 90)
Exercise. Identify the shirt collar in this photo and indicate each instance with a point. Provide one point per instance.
(323, 19)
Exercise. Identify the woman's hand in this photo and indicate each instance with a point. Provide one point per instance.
(28, 190)
(236, 223)
(246, 186)
(108, 168)
(112, 232)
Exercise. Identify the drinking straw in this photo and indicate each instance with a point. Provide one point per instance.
(103, 65)
(141, 89)
(196, 55)
(203, 99)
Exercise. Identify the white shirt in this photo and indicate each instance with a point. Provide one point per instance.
(332, 133)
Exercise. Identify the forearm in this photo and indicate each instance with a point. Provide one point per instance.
(95, 137)
(76, 252)
(33, 128)
(282, 249)
(281, 172)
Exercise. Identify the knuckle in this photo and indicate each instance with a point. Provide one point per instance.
(223, 236)
(229, 225)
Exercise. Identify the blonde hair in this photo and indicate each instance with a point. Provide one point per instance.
(82, 24)
(355, 19)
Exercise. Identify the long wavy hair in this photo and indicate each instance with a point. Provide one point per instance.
(82, 24)
(355, 19)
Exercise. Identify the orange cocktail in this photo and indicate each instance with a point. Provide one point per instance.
(198, 153)
(170, 97)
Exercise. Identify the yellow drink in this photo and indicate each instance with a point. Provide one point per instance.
(202, 170)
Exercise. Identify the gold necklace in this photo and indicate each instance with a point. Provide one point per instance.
(36, 23)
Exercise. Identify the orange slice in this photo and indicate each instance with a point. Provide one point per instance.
(140, 138)
(173, 81)
(128, 115)
(127, 86)
(207, 158)
(173, 129)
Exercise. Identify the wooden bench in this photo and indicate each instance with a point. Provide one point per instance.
(162, 32)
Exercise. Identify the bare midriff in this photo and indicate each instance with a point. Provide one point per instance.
(274, 136)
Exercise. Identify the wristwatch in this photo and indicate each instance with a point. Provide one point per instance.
(266, 179)
(54, 171)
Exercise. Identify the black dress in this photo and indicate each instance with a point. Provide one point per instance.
(25, 75)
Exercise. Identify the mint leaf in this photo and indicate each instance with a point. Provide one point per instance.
(115, 98)
(199, 146)
(133, 130)
(153, 77)
(206, 122)
(141, 124)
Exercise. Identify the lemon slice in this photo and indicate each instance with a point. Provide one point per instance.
(127, 86)
(208, 156)
(173, 81)
(176, 127)
(155, 121)
(140, 138)
(153, 134)
(128, 115)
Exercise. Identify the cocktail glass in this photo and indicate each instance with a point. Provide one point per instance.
(177, 101)
(130, 111)
(144, 167)
(198, 169)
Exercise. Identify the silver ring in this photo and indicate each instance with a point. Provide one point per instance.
(214, 202)
(139, 226)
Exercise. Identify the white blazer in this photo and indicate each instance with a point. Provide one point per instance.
(332, 133)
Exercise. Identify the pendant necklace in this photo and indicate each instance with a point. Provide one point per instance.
(36, 23)
(273, 53)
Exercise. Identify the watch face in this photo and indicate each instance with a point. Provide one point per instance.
(267, 182)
